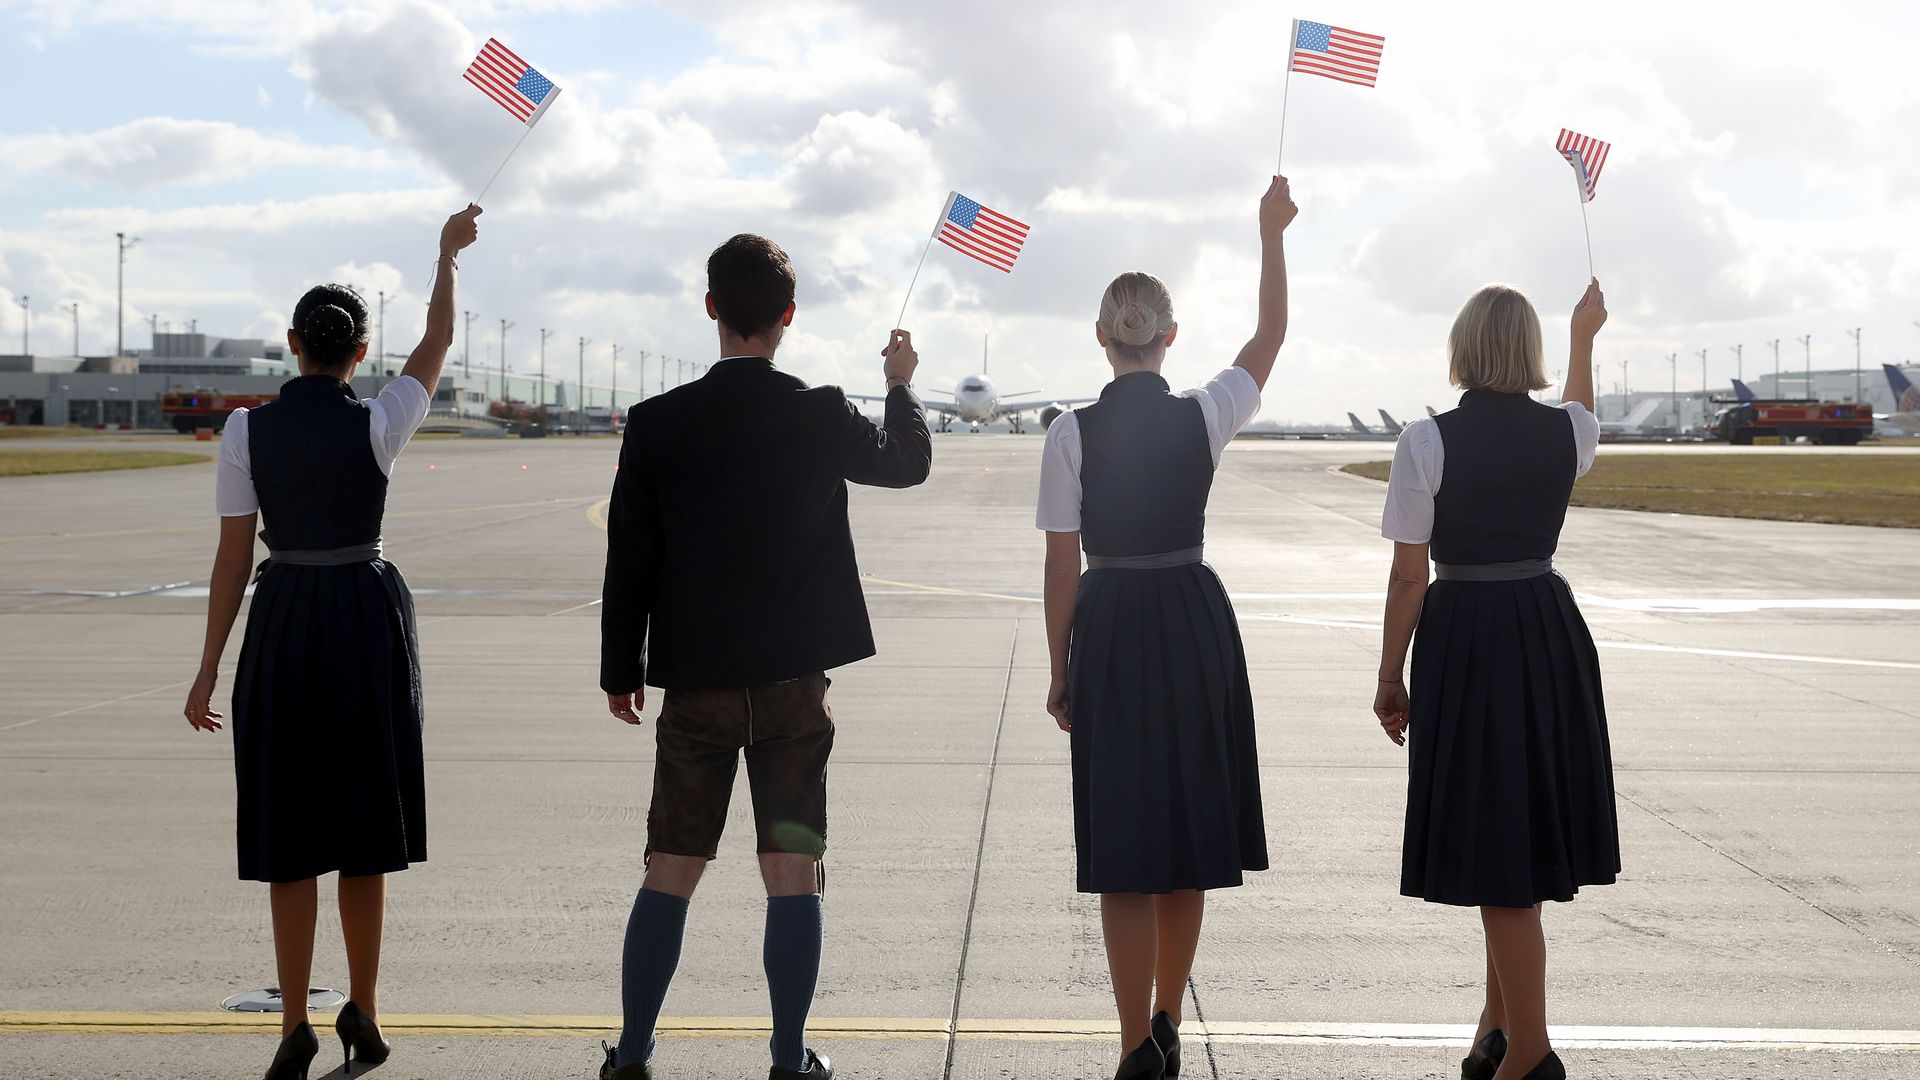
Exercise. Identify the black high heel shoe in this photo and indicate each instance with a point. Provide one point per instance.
(1548, 1069)
(1145, 1063)
(1484, 1059)
(295, 1054)
(1166, 1035)
(359, 1035)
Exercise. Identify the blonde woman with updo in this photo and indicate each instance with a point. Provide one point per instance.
(1510, 788)
(1149, 676)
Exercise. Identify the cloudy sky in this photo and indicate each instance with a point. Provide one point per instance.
(1765, 182)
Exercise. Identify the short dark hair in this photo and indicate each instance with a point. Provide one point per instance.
(751, 281)
(331, 320)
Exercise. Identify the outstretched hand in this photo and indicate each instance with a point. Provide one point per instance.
(1277, 209)
(460, 231)
(1590, 314)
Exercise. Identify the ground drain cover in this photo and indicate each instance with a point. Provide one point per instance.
(268, 1000)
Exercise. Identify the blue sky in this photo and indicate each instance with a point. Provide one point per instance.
(1756, 189)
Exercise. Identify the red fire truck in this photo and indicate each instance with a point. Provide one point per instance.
(1829, 423)
(191, 410)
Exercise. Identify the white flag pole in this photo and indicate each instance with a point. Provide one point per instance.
(945, 209)
(1580, 188)
(1286, 84)
(531, 120)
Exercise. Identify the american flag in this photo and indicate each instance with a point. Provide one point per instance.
(1587, 155)
(1346, 55)
(987, 235)
(510, 81)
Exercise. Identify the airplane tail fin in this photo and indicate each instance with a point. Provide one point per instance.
(1906, 398)
(1430, 411)
(1393, 426)
(1741, 391)
(1357, 425)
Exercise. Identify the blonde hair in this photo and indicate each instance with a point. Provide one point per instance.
(1137, 315)
(1495, 343)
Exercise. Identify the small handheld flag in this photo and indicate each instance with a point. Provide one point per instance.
(515, 86)
(975, 231)
(1335, 52)
(1332, 52)
(1588, 156)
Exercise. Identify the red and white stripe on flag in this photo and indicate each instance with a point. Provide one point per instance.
(975, 231)
(1587, 155)
(1335, 52)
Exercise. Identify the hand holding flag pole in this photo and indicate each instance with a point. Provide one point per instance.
(513, 84)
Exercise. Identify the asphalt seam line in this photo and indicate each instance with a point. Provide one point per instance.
(979, 858)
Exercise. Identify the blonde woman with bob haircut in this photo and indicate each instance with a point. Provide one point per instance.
(1510, 790)
(1149, 676)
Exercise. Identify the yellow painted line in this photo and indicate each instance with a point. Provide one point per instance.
(597, 513)
(897, 1028)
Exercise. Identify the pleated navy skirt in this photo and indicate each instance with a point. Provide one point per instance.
(1510, 793)
(1166, 783)
(327, 725)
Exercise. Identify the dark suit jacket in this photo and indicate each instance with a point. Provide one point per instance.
(729, 558)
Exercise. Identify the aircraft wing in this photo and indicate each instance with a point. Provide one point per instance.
(925, 403)
(1008, 407)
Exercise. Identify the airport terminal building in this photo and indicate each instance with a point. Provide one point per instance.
(128, 391)
(1663, 408)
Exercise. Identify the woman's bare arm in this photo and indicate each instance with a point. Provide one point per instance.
(1259, 353)
(1062, 590)
(231, 564)
(1406, 592)
(1589, 315)
(427, 358)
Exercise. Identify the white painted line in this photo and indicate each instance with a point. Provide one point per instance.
(1632, 646)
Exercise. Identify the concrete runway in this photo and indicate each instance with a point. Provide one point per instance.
(1763, 687)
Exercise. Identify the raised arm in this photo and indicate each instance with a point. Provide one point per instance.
(428, 356)
(898, 453)
(1258, 354)
(1589, 315)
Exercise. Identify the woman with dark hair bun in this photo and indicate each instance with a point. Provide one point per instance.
(326, 701)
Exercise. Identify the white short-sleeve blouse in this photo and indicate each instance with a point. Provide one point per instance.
(1228, 402)
(394, 414)
(1418, 459)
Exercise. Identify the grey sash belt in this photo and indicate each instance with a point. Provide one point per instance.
(1146, 562)
(1499, 571)
(341, 556)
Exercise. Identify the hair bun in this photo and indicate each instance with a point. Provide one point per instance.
(328, 325)
(1136, 324)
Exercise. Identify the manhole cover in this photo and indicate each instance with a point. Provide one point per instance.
(268, 1000)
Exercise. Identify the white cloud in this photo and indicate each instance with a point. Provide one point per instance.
(161, 151)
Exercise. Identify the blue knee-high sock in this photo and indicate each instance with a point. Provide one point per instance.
(652, 952)
(791, 953)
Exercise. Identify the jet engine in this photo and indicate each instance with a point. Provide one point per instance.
(1048, 415)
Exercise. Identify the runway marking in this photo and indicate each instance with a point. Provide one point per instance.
(936, 1028)
(597, 513)
(209, 527)
(97, 705)
(1631, 646)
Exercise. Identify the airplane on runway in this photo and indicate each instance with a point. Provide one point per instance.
(977, 401)
(1905, 417)
(1357, 429)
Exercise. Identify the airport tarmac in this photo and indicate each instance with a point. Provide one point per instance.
(1764, 698)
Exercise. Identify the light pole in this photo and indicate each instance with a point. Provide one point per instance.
(380, 339)
(1775, 343)
(466, 358)
(120, 293)
(613, 378)
(1855, 335)
(1739, 362)
(73, 309)
(1673, 391)
(26, 324)
(1806, 342)
(504, 327)
(544, 335)
(663, 373)
(580, 407)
